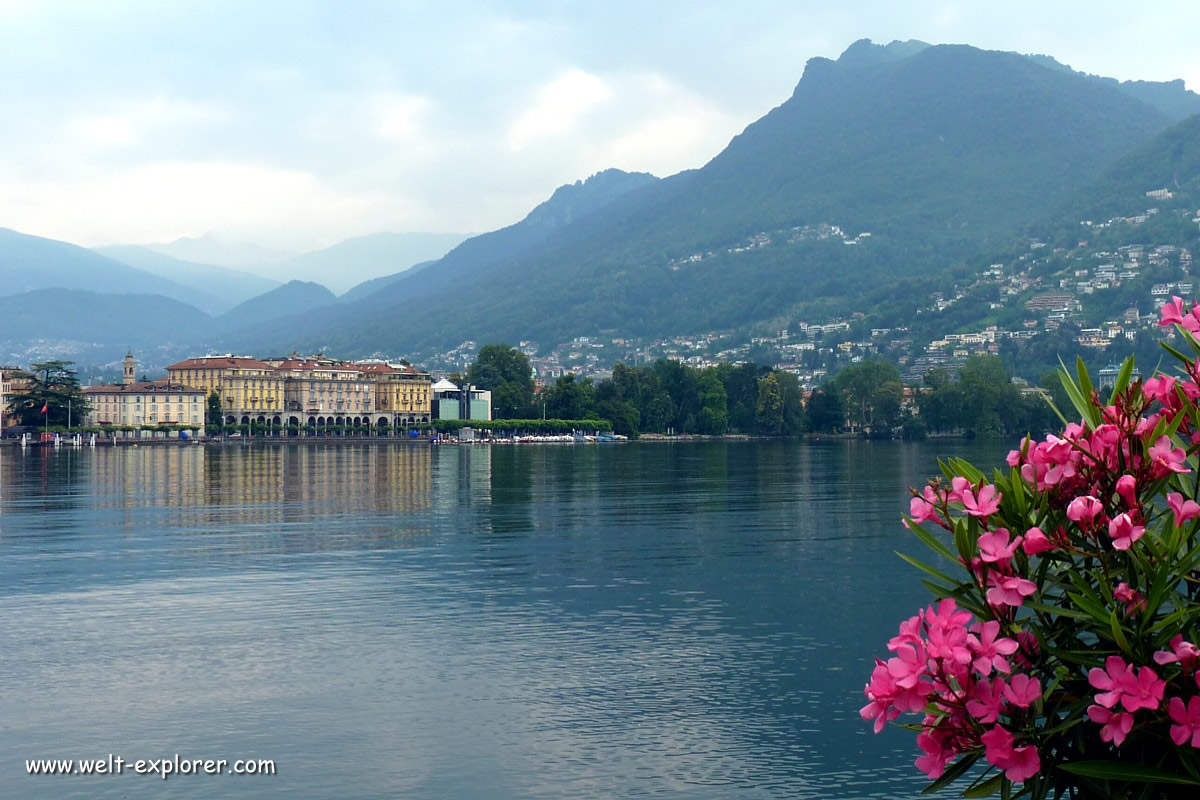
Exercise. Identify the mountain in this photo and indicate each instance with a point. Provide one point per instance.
(1172, 98)
(93, 327)
(293, 298)
(213, 249)
(368, 287)
(1170, 161)
(359, 259)
(217, 289)
(939, 152)
(568, 205)
(32, 262)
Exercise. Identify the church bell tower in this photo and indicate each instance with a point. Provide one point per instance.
(129, 371)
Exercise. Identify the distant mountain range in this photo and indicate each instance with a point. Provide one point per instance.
(216, 289)
(940, 153)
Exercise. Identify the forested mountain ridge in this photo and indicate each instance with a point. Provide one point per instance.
(940, 153)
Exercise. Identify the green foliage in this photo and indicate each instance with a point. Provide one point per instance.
(52, 385)
(532, 426)
(871, 393)
(984, 402)
(505, 372)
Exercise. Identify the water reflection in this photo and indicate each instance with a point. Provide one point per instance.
(683, 620)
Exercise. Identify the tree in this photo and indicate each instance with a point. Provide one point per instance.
(505, 372)
(713, 418)
(571, 398)
(792, 395)
(52, 385)
(768, 417)
(872, 393)
(825, 410)
(215, 415)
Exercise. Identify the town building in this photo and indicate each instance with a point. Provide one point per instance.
(250, 390)
(403, 394)
(145, 404)
(467, 402)
(12, 381)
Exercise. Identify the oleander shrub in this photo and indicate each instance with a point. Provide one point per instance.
(1060, 656)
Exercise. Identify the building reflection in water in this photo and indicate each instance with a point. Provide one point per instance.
(295, 497)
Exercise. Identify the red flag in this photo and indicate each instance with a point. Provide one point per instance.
(46, 408)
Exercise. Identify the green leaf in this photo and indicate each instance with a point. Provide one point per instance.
(987, 788)
(928, 570)
(1085, 381)
(1119, 634)
(1122, 380)
(1129, 773)
(1057, 611)
(952, 773)
(931, 541)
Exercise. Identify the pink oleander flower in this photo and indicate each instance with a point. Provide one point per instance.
(990, 651)
(1123, 532)
(1022, 691)
(1023, 764)
(909, 634)
(1084, 509)
(937, 751)
(1111, 680)
(1171, 313)
(1186, 719)
(1019, 763)
(1116, 724)
(1036, 542)
(1146, 691)
(1132, 598)
(1186, 654)
(1167, 458)
(1160, 388)
(995, 547)
(1184, 510)
(983, 504)
(1009, 590)
(1127, 489)
(986, 700)
(958, 485)
(920, 509)
(908, 665)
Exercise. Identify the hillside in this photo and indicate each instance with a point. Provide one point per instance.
(324, 328)
(293, 298)
(94, 328)
(345, 264)
(369, 287)
(217, 289)
(939, 153)
(32, 262)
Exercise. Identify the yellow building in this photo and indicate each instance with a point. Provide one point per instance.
(402, 394)
(329, 391)
(250, 390)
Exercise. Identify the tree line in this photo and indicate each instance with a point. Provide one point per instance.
(667, 396)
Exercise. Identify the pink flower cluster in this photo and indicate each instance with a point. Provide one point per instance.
(1090, 495)
(960, 674)
(1123, 691)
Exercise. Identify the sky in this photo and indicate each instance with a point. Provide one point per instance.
(295, 124)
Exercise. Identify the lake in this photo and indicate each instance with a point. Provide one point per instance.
(684, 620)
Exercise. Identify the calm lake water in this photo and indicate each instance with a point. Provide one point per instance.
(688, 620)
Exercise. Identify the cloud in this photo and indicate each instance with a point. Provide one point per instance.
(121, 123)
(560, 107)
(163, 201)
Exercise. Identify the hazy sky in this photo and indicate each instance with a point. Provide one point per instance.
(297, 124)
